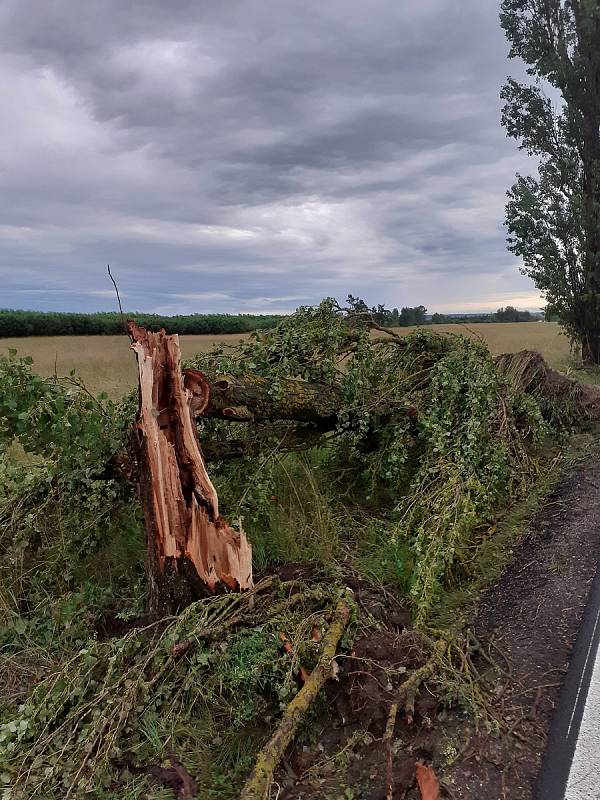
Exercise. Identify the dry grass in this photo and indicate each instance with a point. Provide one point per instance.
(106, 364)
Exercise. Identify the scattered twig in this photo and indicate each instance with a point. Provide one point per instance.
(473, 333)
(87, 757)
(408, 690)
(79, 384)
(376, 326)
(387, 738)
(535, 688)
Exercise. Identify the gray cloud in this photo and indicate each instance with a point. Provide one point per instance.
(254, 156)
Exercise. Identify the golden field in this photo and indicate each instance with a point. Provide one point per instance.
(105, 363)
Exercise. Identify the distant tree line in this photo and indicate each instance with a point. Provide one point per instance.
(508, 314)
(103, 323)
(50, 323)
(409, 316)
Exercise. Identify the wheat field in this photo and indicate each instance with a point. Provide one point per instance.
(106, 364)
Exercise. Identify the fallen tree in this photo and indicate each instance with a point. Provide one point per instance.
(412, 450)
(400, 416)
(410, 423)
(250, 398)
(421, 428)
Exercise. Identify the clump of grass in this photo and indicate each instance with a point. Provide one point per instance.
(293, 510)
(297, 520)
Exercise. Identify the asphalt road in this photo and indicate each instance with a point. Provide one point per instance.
(571, 767)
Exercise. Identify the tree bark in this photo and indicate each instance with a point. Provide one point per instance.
(191, 550)
(249, 398)
(590, 346)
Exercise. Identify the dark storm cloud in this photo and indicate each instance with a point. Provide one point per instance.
(254, 155)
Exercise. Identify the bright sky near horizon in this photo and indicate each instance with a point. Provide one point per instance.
(254, 156)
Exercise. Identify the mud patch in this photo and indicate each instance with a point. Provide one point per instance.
(373, 669)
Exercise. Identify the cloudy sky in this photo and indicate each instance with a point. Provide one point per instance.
(254, 155)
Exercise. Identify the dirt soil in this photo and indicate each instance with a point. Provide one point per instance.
(526, 625)
(347, 758)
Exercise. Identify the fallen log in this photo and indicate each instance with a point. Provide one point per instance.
(191, 550)
(259, 782)
(251, 398)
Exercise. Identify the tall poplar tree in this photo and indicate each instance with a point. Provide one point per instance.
(554, 219)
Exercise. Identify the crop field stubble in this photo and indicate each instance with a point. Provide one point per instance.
(105, 363)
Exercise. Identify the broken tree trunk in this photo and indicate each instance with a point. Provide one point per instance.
(191, 550)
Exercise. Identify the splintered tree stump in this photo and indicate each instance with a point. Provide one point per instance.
(191, 550)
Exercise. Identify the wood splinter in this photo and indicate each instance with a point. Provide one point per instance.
(191, 550)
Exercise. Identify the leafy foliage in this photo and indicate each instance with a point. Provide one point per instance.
(63, 515)
(544, 214)
(59, 420)
(428, 438)
(429, 445)
(131, 699)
